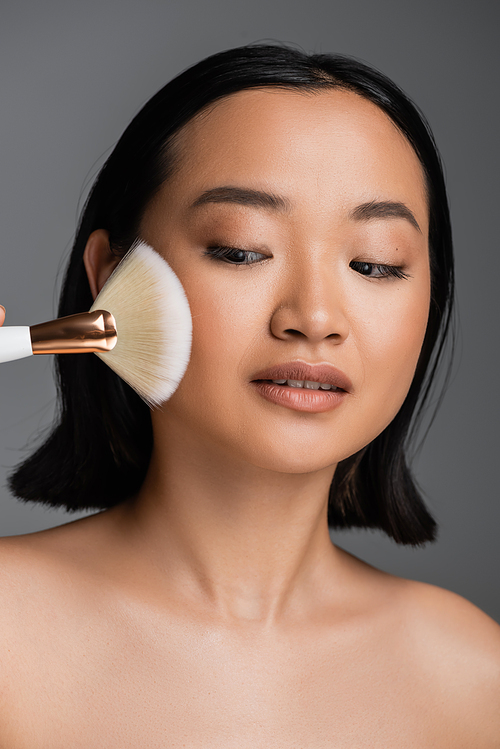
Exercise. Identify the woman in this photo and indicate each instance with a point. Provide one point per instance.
(300, 201)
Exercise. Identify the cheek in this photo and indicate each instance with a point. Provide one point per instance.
(392, 344)
(224, 326)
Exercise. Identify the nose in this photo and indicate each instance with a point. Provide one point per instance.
(311, 305)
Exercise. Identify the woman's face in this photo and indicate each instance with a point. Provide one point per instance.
(297, 224)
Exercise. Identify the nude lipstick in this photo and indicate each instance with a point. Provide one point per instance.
(300, 386)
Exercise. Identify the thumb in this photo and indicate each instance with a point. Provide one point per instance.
(2, 314)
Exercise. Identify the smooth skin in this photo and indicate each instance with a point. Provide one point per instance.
(213, 610)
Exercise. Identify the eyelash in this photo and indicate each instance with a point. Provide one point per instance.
(383, 271)
(223, 253)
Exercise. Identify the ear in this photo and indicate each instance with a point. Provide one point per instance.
(98, 259)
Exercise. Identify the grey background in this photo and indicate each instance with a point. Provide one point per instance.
(72, 74)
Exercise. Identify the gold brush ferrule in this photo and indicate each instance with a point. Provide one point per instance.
(88, 332)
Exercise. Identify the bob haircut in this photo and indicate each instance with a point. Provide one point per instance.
(98, 452)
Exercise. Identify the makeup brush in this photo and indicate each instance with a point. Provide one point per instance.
(139, 325)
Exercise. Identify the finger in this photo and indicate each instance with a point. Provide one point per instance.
(2, 314)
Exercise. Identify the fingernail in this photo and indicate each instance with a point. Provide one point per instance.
(1, 305)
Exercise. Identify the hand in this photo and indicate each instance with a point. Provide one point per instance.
(2, 314)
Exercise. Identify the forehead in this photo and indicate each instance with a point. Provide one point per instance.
(322, 147)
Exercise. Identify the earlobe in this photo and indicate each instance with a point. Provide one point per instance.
(99, 261)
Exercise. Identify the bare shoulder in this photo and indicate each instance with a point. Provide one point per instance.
(448, 619)
(22, 563)
(19, 553)
(37, 569)
(447, 648)
(31, 569)
(49, 585)
(28, 600)
(457, 648)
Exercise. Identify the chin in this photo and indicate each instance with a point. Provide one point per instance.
(294, 459)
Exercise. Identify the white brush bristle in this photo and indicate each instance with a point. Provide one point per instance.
(153, 324)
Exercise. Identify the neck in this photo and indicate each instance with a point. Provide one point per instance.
(249, 543)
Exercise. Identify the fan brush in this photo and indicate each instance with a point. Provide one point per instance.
(139, 325)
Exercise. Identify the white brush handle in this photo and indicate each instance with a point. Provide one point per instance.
(15, 343)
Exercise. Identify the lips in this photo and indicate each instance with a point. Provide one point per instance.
(299, 371)
(292, 386)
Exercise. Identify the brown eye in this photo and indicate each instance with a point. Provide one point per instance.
(234, 255)
(364, 268)
(237, 256)
(376, 270)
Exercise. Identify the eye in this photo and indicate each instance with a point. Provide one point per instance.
(377, 270)
(234, 255)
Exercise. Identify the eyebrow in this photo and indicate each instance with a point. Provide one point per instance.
(258, 199)
(243, 196)
(384, 209)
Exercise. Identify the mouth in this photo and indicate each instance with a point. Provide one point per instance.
(306, 384)
(301, 374)
(301, 386)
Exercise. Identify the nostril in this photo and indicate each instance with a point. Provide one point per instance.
(312, 324)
